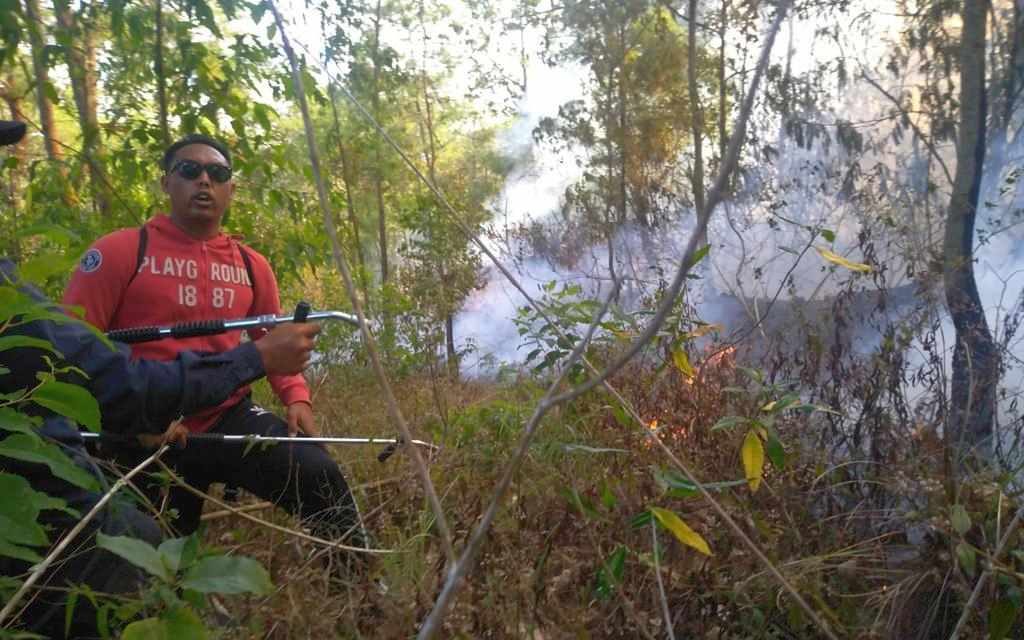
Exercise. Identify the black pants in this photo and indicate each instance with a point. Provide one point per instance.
(82, 563)
(301, 478)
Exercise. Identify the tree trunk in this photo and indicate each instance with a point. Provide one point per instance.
(697, 180)
(78, 38)
(722, 138)
(161, 78)
(1015, 72)
(975, 359)
(378, 171)
(353, 219)
(42, 80)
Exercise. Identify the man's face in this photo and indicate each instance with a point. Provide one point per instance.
(202, 199)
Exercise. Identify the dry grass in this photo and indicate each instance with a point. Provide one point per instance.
(838, 532)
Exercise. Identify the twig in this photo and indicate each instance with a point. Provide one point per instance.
(41, 568)
(661, 585)
(928, 143)
(255, 506)
(368, 340)
(238, 511)
(985, 574)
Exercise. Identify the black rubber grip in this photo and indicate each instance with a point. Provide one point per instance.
(206, 437)
(130, 336)
(197, 328)
(388, 451)
(301, 311)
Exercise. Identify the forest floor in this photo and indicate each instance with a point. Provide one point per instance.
(572, 555)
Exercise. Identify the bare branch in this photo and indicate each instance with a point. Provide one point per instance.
(468, 558)
(41, 568)
(364, 328)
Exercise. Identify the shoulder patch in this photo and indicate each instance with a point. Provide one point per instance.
(91, 261)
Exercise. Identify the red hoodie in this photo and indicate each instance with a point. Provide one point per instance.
(181, 279)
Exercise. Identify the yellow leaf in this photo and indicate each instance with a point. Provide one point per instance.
(682, 362)
(753, 459)
(835, 258)
(686, 535)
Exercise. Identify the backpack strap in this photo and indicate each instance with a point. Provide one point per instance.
(140, 255)
(248, 270)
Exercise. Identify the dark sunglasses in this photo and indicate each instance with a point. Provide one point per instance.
(190, 170)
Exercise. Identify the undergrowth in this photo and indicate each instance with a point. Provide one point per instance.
(879, 550)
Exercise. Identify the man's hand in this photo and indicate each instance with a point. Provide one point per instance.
(300, 418)
(286, 349)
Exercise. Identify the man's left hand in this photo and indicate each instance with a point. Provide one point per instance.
(300, 418)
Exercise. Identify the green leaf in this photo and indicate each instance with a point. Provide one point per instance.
(620, 416)
(781, 404)
(178, 553)
(137, 552)
(32, 448)
(828, 234)
(681, 530)
(609, 575)
(11, 420)
(752, 455)
(642, 519)
(776, 452)
(71, 401)
(180, 623)
(1001, 618)
(16, 551)
(728, 422)
(676, 486)
(968, 558)
(699, 255)
(15, 341)
(960, 519)
(608, 498)
(20, 505)
(44, 266)
(228, 574)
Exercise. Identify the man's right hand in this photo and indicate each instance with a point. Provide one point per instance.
(286, 349)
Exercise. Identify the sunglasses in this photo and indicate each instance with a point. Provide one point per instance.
(190, 170)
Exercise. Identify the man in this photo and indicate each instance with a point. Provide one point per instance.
(146, 395)
(181, 267)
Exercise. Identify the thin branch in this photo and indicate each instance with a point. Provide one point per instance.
(920, 134)
(457, 572)
(41, 568)
(661, 585)
(368, 340)
(241, 512)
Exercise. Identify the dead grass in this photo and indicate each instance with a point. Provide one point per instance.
(843, 545)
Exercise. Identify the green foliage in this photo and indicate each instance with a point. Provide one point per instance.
(181, 571)
(549, 343)
(19, 511)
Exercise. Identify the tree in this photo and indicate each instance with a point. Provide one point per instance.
(633, 127)
(975, 358)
